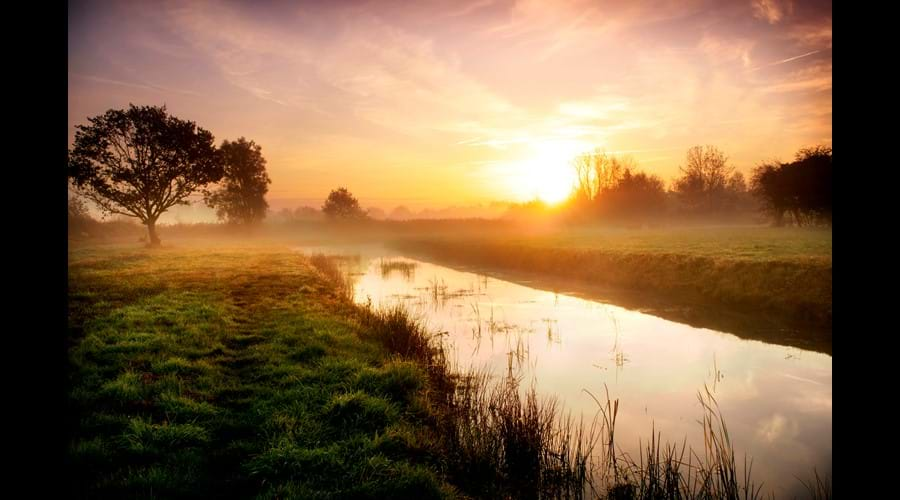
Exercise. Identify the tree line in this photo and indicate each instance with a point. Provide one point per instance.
(608, 187)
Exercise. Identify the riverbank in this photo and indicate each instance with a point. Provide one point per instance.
(796, 290)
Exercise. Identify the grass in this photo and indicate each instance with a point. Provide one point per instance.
(239, 373)
(234, 374)
(754, 243)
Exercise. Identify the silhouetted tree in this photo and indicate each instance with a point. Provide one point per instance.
(77, 208)
(80, 221)
(635, 195)
(585, 179)
(400, 213)
(140, 162)
(708, 185)
(703, 184)
(801, 188)
(240, 197)
(340, 204)
(596, 172)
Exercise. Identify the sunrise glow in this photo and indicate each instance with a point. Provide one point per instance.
(463, 103)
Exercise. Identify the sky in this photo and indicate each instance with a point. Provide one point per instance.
(441, 103)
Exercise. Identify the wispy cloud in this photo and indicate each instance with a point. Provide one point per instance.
(813, 35)
(789, 59)
(143, 86)
(772, 11)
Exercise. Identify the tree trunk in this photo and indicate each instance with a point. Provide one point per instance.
(151, 228)
(779, 218)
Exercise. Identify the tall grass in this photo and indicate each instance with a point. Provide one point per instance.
(406, 269)
(329, 266)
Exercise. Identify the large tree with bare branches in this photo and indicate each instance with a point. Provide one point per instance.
(140, 162)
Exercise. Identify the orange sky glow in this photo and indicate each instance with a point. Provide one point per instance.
(432, 104)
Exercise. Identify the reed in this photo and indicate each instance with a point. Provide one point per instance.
(330, 267)
(389, 266)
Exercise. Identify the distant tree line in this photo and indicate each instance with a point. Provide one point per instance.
(612, 188)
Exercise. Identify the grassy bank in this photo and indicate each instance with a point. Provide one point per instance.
(753, 270)
(235, 374)
(247, 373)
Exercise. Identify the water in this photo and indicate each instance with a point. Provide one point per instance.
(776, 400)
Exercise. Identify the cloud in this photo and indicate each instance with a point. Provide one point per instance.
(144, 86)
(813, 35)
(724, 51)
(772, 11)
(816, 78)
(776, 428)
(789, 59)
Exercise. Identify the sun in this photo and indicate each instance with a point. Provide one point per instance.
(546, 172)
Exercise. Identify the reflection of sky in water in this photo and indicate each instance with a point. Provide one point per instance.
(776, 400)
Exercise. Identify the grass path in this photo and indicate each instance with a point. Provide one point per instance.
(234, 374)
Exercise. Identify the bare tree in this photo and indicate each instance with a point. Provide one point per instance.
(597, 172)
(704, 180)
(585, 181)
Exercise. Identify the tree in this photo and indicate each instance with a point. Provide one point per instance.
(705, 179)
(400, 213)
(597, 172)
(240, 197)
(77, 209)
(635, 195)
(340, 204)
(80, 221)
(768, 184)
(140, 162)
(307, 213)
(802, 188)
(585, 181)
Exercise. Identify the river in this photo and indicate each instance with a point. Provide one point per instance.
(776, 400)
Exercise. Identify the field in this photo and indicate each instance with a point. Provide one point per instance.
(754, 243)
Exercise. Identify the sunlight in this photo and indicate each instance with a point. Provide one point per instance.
(547, 171)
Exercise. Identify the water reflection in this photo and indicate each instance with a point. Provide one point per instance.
(776, 400)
